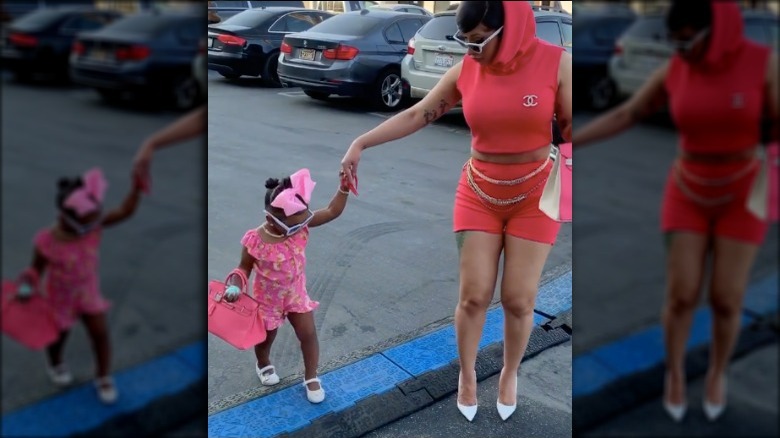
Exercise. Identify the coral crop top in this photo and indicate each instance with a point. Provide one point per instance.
(509, 104)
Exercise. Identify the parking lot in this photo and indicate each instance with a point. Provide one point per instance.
(151, 265)
(386, 268)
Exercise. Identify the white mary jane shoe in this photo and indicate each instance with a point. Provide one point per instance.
(267, 379)
(106, 389)
(317, 395)
(59, 375)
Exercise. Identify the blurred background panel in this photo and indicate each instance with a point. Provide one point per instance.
(83, 85)
(620, 255)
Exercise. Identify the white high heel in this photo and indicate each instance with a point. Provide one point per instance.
(713, 411)
(468, 411)
(317, 395)
(675, 411)
(505, 411)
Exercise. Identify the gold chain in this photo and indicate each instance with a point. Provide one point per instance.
(495, 201)
(512, 182)
(707, 202)
(709, 182)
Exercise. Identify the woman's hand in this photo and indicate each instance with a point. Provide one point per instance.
(141, 166)
(349, 163)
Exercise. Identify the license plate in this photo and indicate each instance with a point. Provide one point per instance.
(307, 54)
(211, 42)
(99, 55)
(442, 60)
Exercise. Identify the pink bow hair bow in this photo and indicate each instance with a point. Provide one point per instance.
(289, 200)
(88, 197)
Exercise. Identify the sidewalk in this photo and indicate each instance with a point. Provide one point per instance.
(752, 406)
(543, 406)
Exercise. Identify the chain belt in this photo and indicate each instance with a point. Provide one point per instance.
(490, 201)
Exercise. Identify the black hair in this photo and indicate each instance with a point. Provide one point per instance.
(274, 186)
(66, 186)
(696, 14)
(470, 14)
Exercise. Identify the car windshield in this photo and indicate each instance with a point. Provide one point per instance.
(249, 18)
(142, 24)
(440, 28)
(347, 24)
(39, 19)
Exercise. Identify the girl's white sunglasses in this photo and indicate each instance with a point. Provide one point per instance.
(475, 47)
(290, 230)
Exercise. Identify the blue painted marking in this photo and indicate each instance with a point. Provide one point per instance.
(555, 296)
(78, 410)
(644, 350)
(288, 410)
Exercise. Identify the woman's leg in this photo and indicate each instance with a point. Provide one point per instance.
(731, 273)
(686, 255)
(523, 264)
(263, 350)
(55, 350)
(97, 328)
(306, 331)
(479, 255)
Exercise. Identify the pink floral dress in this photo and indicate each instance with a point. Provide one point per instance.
(280, 276)
(72, 281)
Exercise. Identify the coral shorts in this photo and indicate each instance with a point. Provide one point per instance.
(523, 219)
(712, 210)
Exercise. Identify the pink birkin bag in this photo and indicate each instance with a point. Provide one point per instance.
(29, 322)
(764, 199)
(556, 196)
(239, 323)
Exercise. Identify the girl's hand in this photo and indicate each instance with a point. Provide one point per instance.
(343, 181)
(349, 164)
(232, 293)
(25, 292)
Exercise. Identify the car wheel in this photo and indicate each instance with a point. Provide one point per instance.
(601, 92)
(185, 92)
(230, 76)
(388, 92)
(319, 95)
(270, 74)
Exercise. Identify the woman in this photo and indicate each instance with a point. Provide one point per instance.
(511, 85)
(718, 84)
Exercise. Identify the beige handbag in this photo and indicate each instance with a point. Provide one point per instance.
(556, 200)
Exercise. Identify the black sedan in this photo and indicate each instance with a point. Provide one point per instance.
(248, 43)
(354, 54)
(40, 41)
(148, 54)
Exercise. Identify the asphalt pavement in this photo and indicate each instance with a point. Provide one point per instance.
(385, 271)
(151, 266)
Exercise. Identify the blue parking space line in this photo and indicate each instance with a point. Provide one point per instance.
(643, 350)
(555, 296)
(287, 410)
(78, 410)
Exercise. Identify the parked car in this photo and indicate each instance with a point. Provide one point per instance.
(220, 11)
(352, 54)
(341, 7)
(412, 9)
(643, 47)
(149, 54)
(247, 44)
(598, 27)
(40, 41)
(433, 51)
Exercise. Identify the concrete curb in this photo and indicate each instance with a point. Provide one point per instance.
(632, 390)
(418, 393)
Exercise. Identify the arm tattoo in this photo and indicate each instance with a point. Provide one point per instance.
(433, 114)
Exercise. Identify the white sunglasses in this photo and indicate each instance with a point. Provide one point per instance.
(290, 230)
(475, 47)
(686, 46)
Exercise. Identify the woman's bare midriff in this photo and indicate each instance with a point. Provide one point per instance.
(523, 157)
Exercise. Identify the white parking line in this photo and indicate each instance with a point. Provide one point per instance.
(384, 116)
(291, 93)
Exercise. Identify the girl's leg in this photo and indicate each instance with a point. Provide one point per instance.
(523, 264)
(686, 255)
(55, 350)
(263, 350)
(731, 272)
(97, 328)
(306, 331)
(479, 255)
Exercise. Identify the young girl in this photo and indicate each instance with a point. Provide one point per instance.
(67, 252)
(276, 251)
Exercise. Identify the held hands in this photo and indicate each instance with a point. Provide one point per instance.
(141, 164)
(349, 165)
